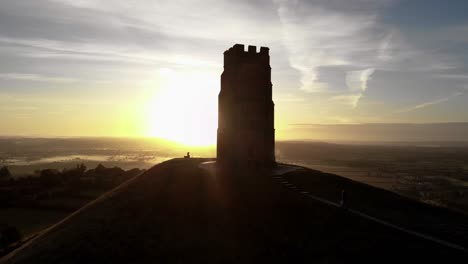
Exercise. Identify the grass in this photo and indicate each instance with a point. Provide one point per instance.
(30, 221)
(392, 207)
(178, 213)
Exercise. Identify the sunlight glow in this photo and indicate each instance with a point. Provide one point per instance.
(184, 108)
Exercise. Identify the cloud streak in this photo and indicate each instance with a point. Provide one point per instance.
(430, 103)
(35, 77)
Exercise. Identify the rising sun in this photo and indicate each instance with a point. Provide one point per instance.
(183, 108)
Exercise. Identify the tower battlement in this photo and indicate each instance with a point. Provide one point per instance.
(238, 53)
(240, 48)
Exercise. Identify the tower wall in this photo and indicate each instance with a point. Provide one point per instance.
(246, 133)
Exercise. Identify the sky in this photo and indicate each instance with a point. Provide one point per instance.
(152, 68)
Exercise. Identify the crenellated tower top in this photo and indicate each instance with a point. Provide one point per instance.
(238, 54)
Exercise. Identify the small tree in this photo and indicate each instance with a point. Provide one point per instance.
(50, 178)
(73, 175)
(5, 173)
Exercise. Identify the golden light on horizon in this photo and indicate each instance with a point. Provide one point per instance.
(184, 108)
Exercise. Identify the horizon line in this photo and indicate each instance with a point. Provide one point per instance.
(376, 123)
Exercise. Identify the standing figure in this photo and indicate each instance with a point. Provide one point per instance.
(343, 199)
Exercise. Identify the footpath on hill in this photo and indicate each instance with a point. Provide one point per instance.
(177, 212)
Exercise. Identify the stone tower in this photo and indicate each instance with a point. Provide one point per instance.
(246, 133)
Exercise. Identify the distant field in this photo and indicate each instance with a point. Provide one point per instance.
(25, 155)
(368, 176)
(436, 175)
(26, 169)
(434, 172)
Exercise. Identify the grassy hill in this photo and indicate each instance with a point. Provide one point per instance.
(179, 213)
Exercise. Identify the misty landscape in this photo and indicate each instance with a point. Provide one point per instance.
(432, 174)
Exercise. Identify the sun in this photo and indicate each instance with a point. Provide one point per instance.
(184, 108)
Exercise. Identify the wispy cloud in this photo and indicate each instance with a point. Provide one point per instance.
(430, 103)
(35, 77)
(453, 76)
(55, 49)
(357, 80)
(384, 53)
(289, 98)
(349, 99)
(334, 37)
(325, 37)
(17, 108)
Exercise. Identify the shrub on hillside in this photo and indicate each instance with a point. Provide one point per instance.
(5, 173)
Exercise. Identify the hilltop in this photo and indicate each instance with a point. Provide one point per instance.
(177, 212)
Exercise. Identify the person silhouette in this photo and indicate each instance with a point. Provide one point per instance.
(187, 156)
(343, 199)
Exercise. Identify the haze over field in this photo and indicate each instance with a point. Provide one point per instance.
(433, 172)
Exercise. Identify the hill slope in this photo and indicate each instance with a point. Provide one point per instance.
(177, 212)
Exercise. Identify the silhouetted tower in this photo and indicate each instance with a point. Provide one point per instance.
(246, 133)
